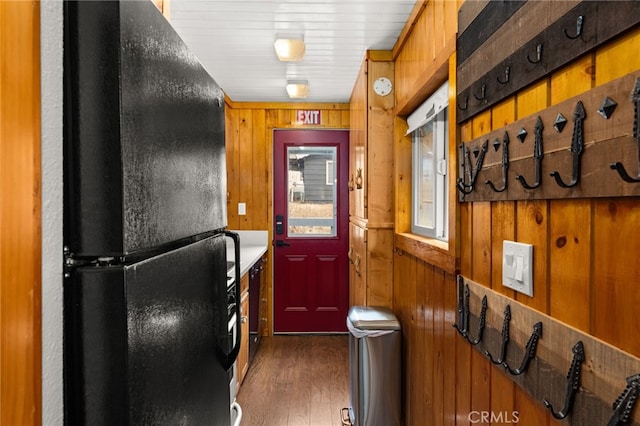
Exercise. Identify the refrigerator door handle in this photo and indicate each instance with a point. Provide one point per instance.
(236, 407)
(227, 360)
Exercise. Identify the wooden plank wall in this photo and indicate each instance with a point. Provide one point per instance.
(20, 199)
(164, 6)
(424, 275)
(422, 52)
(585, 254)
(577, 280)
(249, 141)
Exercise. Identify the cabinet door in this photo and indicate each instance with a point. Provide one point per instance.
(378, 147)
(244, 285)
(352, 271)
(263, 307)
(243, 356)
(357, 144)
(357, 266)
(371, 146)
(379, 248)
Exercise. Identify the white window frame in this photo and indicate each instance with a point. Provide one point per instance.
(329, 174)
(433, 111)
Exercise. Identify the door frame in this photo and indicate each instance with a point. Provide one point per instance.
(342, 221)
(20, 208)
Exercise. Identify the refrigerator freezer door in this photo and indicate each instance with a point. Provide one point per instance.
(140, 340)
(144, 132)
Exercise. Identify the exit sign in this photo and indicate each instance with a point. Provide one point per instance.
(308, 116)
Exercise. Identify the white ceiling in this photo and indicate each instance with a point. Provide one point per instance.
(234, 41)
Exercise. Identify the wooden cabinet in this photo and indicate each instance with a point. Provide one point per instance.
(371, 266)
(244, 284)
(243, 355)
(358, 265)
(371, 196)
(263, 310)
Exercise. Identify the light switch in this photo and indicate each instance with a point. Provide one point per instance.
(517, 267)
(242, 209)
(508, 268)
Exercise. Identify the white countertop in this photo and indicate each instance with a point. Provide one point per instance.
(253, 244)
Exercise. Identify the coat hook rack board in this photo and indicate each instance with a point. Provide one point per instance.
(582, 147)
(589, 380)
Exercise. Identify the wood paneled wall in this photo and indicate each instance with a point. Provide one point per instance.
(435, 387)
(249, 142)
(422, 52)
(164, 6)
(20, 200)
(425, 302)
(585, 256)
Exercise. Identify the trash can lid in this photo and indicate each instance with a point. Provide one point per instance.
(373, 318)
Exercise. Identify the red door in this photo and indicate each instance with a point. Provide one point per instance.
(311, 215)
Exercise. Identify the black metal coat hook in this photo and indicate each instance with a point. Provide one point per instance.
(579, 23)
(538, 55)
(462, 326)
(481, 323)
(505, 338)
(467, 188)
(463, 188)
(623, 405)
(483, 93)
(573, 383)
(577, 143)
(505, 165)
(479, 162)
(529, 351)
(466, 104)
(466, 167)
(507, 76)
(538, 153)
(618, 166)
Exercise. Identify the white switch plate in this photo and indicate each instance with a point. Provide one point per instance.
(517, 267)
(242, 209)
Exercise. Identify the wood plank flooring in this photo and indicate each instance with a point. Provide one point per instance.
(300, 380)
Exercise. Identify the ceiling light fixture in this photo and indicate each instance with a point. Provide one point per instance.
(297, 89)
(289, 48)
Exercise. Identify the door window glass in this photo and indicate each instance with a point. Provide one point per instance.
(311, 186)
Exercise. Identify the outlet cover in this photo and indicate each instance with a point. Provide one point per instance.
(242, 209)
(517, 267)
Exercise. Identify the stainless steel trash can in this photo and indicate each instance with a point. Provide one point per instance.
(375, 366)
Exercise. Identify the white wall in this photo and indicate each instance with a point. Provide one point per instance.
(51, 25)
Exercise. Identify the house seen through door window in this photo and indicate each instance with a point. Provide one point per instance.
(311, 201)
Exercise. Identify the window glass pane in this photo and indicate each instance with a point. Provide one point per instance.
(429, 160)
(426, 182)
(311, 201)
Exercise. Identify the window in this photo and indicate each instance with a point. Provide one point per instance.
(312, 198)
(428, 128)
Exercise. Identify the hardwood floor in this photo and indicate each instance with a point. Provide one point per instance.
(297, 380)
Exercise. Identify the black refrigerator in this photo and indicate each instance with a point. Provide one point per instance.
(146, 303)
